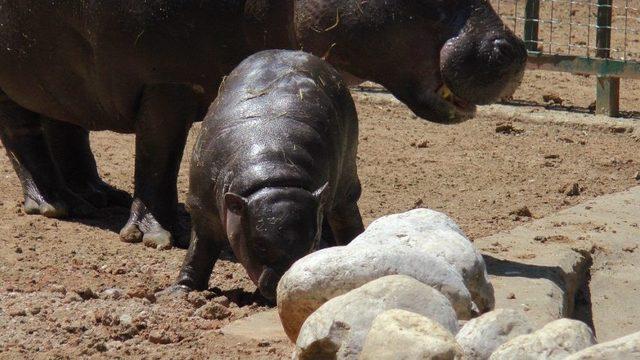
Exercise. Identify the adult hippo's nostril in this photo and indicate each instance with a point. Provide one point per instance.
(503, 50)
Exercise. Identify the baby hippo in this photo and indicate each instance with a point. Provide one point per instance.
(274, 169)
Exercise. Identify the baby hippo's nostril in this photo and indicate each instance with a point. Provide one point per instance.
(268, 283)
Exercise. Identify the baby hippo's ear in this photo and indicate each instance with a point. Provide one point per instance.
(322, 194)
(235, 203)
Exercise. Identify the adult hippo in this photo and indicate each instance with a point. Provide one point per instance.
(153, 67)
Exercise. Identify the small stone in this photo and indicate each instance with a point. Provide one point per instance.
(159, 337)
(72, 297)
(637, 176)
(222, 300)
(86, 293)
(213, 311)
(573, 189)
(523, 212)
(511, 296)
(196, 299)
(141, 291)
(35, 310)
(422, 144)
(17, 312)
(508, 129)
(101, 346)
(552, 98)
(125, 319)
(18, 250)
(56, 288)
(112, 293)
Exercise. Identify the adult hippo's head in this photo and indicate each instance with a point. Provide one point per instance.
(440, 57)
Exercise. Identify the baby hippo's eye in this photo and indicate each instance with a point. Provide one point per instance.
(260, 245)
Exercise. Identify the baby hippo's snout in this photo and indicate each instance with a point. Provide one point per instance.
(268, 283)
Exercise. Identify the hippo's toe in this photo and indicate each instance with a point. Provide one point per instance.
(160, 239)
(65, 205)
(55, 210)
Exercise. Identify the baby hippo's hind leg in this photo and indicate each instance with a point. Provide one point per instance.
(44, 190)
(69, 146)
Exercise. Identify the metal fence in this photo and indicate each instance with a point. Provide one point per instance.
(596, 37)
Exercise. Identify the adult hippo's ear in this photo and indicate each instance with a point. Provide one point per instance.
(322, 194)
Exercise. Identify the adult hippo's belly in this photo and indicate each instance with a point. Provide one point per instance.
(89, 63)
(153, 67)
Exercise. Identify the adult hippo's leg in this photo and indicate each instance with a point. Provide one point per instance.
(165, 115)
(69, 146)
(44, 190)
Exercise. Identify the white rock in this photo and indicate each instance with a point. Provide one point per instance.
(435, 233)
(338, 328)
(624, 348)
(483, 335)
(331, 272)
(556, 340)
(400, 334)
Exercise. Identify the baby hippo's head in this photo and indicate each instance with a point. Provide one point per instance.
(271, 229)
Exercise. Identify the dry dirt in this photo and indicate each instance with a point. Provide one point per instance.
(71, 288)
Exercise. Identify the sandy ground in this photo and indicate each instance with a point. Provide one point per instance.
(71, 288)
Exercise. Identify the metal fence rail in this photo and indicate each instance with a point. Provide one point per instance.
(596, 37)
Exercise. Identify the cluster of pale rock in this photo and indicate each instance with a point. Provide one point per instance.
(401, 290)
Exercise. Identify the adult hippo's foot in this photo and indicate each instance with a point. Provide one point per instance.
(165, 116)
(44, 190)
(71, 152)
(143, 226)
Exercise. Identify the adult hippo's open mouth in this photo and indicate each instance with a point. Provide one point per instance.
(441, 58)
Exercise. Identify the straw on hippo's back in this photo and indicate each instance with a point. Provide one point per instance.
(273, 168)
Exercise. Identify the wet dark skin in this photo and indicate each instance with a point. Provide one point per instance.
(273, 169)
(153, 67)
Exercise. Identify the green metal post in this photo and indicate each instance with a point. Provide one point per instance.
(607, 88)
(531, 17)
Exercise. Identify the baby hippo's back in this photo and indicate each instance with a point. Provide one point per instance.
(281, 118)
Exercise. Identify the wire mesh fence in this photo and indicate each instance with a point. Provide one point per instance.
(570, 26)
(597, 37)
